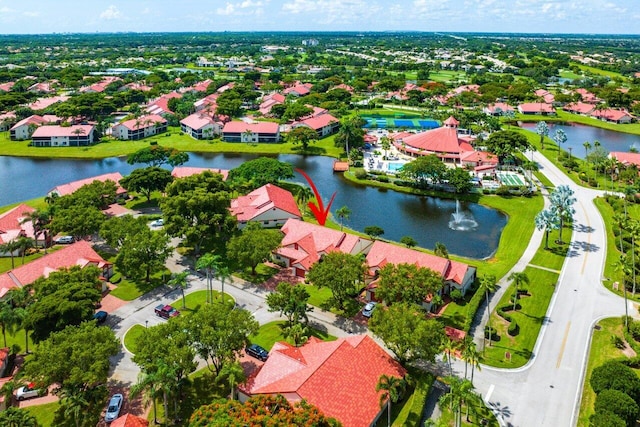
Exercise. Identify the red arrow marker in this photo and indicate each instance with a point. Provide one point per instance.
(319, 212)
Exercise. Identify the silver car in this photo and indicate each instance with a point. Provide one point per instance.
(367, 311)
(113, 410)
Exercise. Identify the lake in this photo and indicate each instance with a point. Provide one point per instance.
(426, 219)
(577, 134)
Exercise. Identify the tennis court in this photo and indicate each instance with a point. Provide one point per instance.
(510, 179)
(381, 122)
(428, 124)
(404, 123)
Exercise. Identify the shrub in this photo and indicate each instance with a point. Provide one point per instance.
(616, 376)
(634, 329)
(618, 403)
(503, 190)
(514, 329)
(456, 295)
(383, 178)
(494, 333)
(617, 341)
(115, 278)
(606, 418)
(360, 174)
(504, 315)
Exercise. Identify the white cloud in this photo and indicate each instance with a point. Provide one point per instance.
(31, 14)
(243, 8)
(111, 13)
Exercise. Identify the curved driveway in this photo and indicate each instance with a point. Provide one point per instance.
(546, 391)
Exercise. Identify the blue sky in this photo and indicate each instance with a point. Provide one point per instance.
(539, 16)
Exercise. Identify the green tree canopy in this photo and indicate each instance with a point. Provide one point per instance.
(142, 254)
(117, 229)
(460, 180)
(614, 375)
(147, 180)
(14, 417)
(156, 155)
(425, 170)
(253, 245)
(341, 273)
(407, 283)
(66, 297)
(506, 143)
(619, 403)
(407, 332)
(302, 135)
(261, 171)
(291, 302)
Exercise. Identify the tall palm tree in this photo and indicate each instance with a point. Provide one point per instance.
(8, 319)
(385, 141)
(460, 393)
(75, 403)
(223, 273)
(634, 229)
(547, 220)
(179, 281)
(392, 388)
(470, 355)
(542, 129)
(39, 220)
(234, 374)
(149, 386)
(20, 299)
(448, 346)
(25, 244)
(560, 138)
(11, 247)
(562, 201)
(209, 262)
(488, 285)
(517, 280)
(587, 147)
(247, 134)
(343, 213)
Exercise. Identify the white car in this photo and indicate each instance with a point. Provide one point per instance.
(29, 391)
(367, 311)
(64, 240)
(113, 410)
(157, 223)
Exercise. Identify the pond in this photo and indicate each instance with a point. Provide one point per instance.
(577, 134)
(426, 219)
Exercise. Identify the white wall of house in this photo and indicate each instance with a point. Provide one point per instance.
(22, 132)
(274, 217)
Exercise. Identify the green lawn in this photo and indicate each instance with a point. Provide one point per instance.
(128, 290)
(602, 350)
(132, 336)
(408, 412)
(173, 138)
(37, 203)
(263, 273)
(44, 413)
(598, 71)
(271, 332)
(530, 318)
(16, 338)
(318, 296)
(197, 299)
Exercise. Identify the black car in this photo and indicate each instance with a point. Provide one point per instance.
(100, 316)
(254, 350)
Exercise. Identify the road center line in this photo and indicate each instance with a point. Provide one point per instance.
(564, 343)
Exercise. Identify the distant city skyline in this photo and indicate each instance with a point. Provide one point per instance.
(503, 16)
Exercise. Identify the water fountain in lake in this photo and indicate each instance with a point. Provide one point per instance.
(462, 221)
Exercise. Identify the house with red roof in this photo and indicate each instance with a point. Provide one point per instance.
(43, 87)
(545, 95)
(579, 108)
(456, 275)
(80, 253)
(541, 108)
(129, 420)
(269, 205)
(338, 377)
(160, 105)
(498, 109)
(200, 126)
(444, 142)
(15, 223)
(300, 89)
(71, 187)
(7, 120)
(63, 136)
(304, 244)
(587, 96)
(142, 127)
(268, 101)
(6, 87)
(479, 158)
(324, 124)
(43, 103)
(625, 158)
(185, 171)
(25, 127)
(237, 131)
(612, 115)
(208, 104)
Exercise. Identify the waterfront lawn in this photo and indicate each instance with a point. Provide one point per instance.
(529, 317)
(173, 138)
(37, 203)
(44, 413)
(272, 332)
(602, 350)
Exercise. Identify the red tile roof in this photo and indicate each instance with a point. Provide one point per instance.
(161, 105)
(197, 121)
(579, 107)
(184, 171)
(611, 114)
(15, 223)
(626, 158)
(42, 103)
(80, 253)
(338, 377)
(536, 107)
(499, 107)
(441, 140)
(259, 127)
(144, 122)
(318, 122)
(266, 198)
(70, 187)
(63, 131)
(129, 420)
(480, 157)
(31, 120)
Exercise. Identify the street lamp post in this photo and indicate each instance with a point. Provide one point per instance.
(146, 324)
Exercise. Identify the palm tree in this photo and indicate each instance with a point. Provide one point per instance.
(634, 229)
(560, 138)
(209, 262)
(75, 403)
(460, 393)
(7, 391)
(542, 129)
(488, 285)
(179, 280)
(234, 374)
(441, 250)
(385, 141)
(11, 247)
(39, 219)
(587, 147)
(8, 319)
(247, 135)
(562, 201)
(547, 220)
(473, 357)
(20, 299)
(449, 346)
(517, 280)
(393, 387)
(223, 273)
(25, 244)
(149, 386)
(343, 213)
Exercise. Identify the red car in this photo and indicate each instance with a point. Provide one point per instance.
(166, 311)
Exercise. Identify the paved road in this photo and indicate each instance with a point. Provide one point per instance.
(546, 392)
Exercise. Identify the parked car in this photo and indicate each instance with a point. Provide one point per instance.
(367, 311)
(100, 316)
(157, 223)
(113, 410)
(64, 240)
(254, 350)
(29, 391)
(166, 311)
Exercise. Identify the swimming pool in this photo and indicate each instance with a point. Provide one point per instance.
(394, 166)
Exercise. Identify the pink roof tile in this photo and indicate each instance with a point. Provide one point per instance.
(70, 187)
(626, 158)
(15, 223)
(62, 131)
(161, 104)
(31, 120)
(6, 87)
(184, 171)
(318, 122)
(579, 107)
(129, 420)
(43, 103)
(266, 198)
(483, 157)
(611, 114)
(197, 121)
(144, 121)
(440, 140)
(499, 106)
(80, 253)
(259, 127)
(536, 107)
(338, 377)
